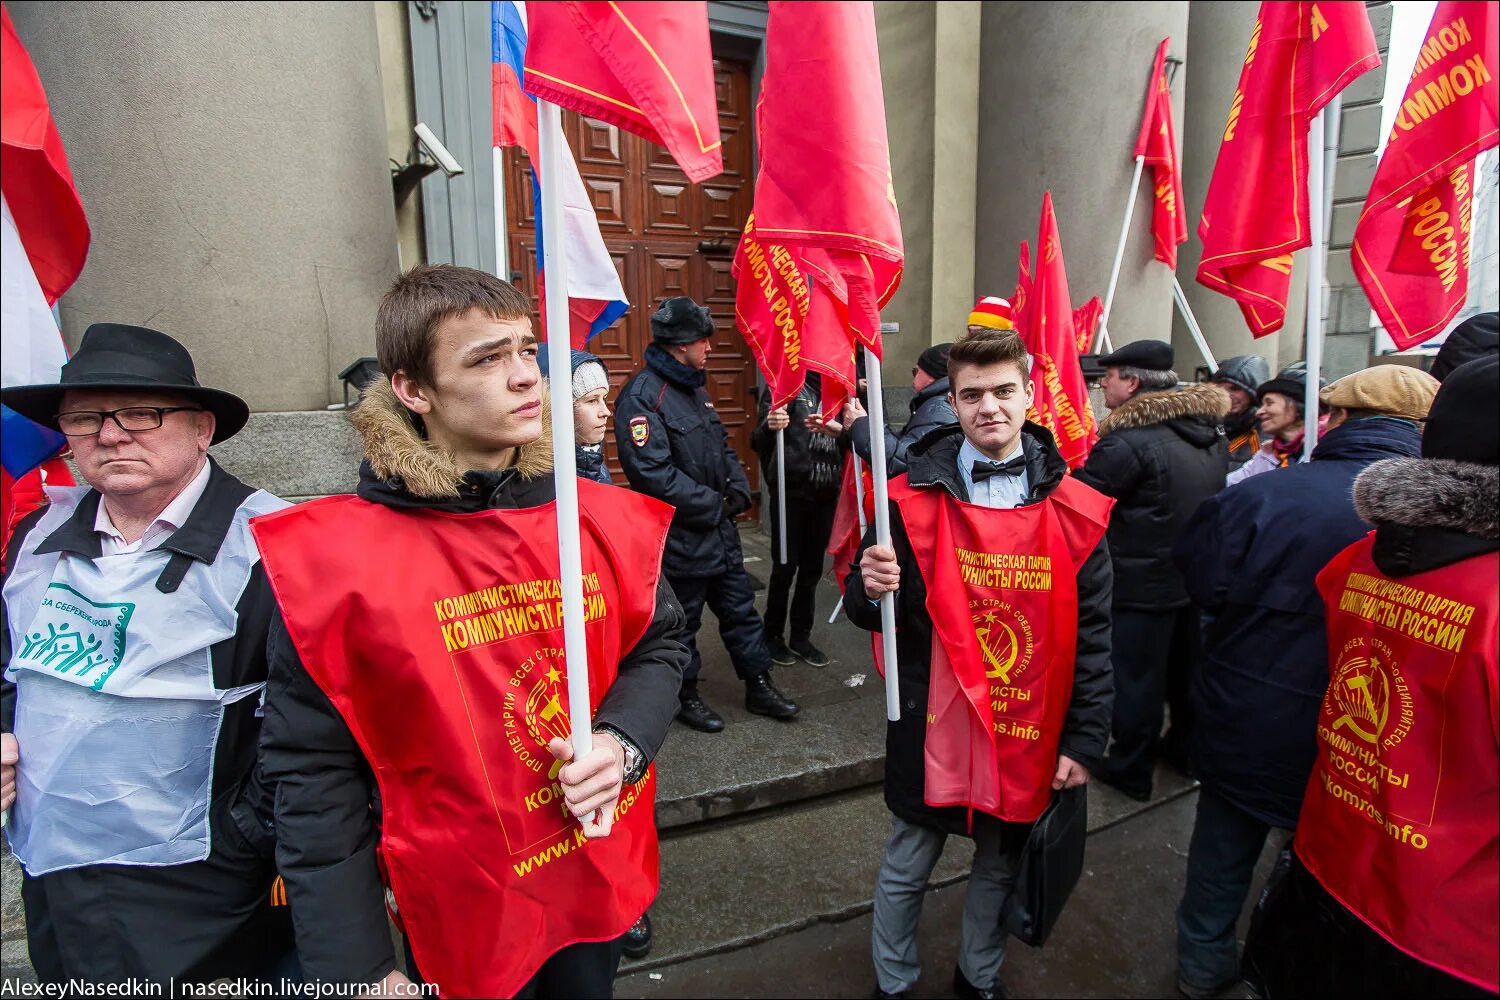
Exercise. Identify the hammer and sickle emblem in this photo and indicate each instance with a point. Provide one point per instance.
(1362, 709)
(999, 650)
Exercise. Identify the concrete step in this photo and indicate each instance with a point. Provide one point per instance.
(837, 743)
(737, 882)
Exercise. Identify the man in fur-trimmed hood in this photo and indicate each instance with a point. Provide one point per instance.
(1426, 925)
(1161, 452)
(416, 632)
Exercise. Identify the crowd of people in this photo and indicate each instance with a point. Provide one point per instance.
(242, 737)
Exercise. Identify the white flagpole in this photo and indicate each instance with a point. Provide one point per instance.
(882, 531)
(1314, 283)
(564, 462)
(1192, 324)
(781, 490)
(1114, 271)
(502, 245)
(859, 501)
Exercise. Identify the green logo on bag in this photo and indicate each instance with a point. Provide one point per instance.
(77, 637)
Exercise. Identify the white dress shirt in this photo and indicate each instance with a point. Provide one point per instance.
(112, 543)
(996, 491)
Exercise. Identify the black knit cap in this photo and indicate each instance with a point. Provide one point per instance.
(1464, 422)
(680, 320)
(934, 360)
(1151, 355)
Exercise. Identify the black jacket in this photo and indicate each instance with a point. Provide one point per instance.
(930, 410)
(814, 462)
(674, 448)
(206, 931)
(1250, 556)
(327, 809)
(934, 465)
(1160, 454)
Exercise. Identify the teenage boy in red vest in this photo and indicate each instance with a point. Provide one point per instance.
(1394, 885)
(1002, 583)
(416, 720)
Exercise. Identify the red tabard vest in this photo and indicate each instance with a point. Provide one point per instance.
(1401, 821)
(438, 637)
(1002, 590)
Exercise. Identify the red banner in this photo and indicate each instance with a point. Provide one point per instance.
(1002, 591)
(34, 172)
(1412, 243)
(452, 676)
(645, 67)
(1061, 402)
(1157, 142)
(1256, 212)
(1086, 323)
(825, 172)
(1398, 822)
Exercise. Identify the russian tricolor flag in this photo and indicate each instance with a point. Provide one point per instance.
(595, 297)
(44, 238)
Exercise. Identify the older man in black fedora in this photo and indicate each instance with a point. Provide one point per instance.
(136, 614)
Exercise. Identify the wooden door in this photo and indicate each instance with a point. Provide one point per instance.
(667, 237)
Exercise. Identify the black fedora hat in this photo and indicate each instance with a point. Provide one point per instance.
(116, 356)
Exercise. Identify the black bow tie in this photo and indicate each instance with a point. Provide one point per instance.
(985, 469)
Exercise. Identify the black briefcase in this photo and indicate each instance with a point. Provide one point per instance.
(1050, 865)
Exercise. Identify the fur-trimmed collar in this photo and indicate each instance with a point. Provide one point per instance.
(396, 451)
(1204, 400)
(1431, 492)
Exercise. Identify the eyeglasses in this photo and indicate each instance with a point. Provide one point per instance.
(87, 423)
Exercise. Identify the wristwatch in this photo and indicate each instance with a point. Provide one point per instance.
(635, 761)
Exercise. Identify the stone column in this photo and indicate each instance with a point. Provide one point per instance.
(1061, 90)
(232, 160)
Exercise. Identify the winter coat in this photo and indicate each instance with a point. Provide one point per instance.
(591, 463)
(1160, 454)
(934, 465)
(930, 410)
(1250, 557)
(814, 462)
(194, 920)
(327, 807)
(673, 447)
(1428, 514)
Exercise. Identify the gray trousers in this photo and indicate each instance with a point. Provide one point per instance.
(910, 855)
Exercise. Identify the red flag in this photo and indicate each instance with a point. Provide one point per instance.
(37, 182)
(1086, 323)
(1022, 296)
(644, 67)
(1412, 243)
(1061, 403)
(1256, 212)
(1157, 142)
(825, 169)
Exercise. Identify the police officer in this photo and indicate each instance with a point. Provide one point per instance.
(673, 447)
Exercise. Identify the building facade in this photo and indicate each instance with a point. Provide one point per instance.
(236, 162)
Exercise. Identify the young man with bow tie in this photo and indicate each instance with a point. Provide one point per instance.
(1002, 585)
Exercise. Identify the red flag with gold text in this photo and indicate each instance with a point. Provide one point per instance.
(825, 172)
(1061, 403)
(1256, 212)
(1412, 242)
(644, 67)
(1157, 142)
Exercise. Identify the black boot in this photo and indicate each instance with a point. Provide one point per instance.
(637, 940)
(781, 654)
(810, 654)
(762, 698)
(965, 990)
(694, 712)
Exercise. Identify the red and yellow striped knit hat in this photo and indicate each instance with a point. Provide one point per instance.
(993, 313)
